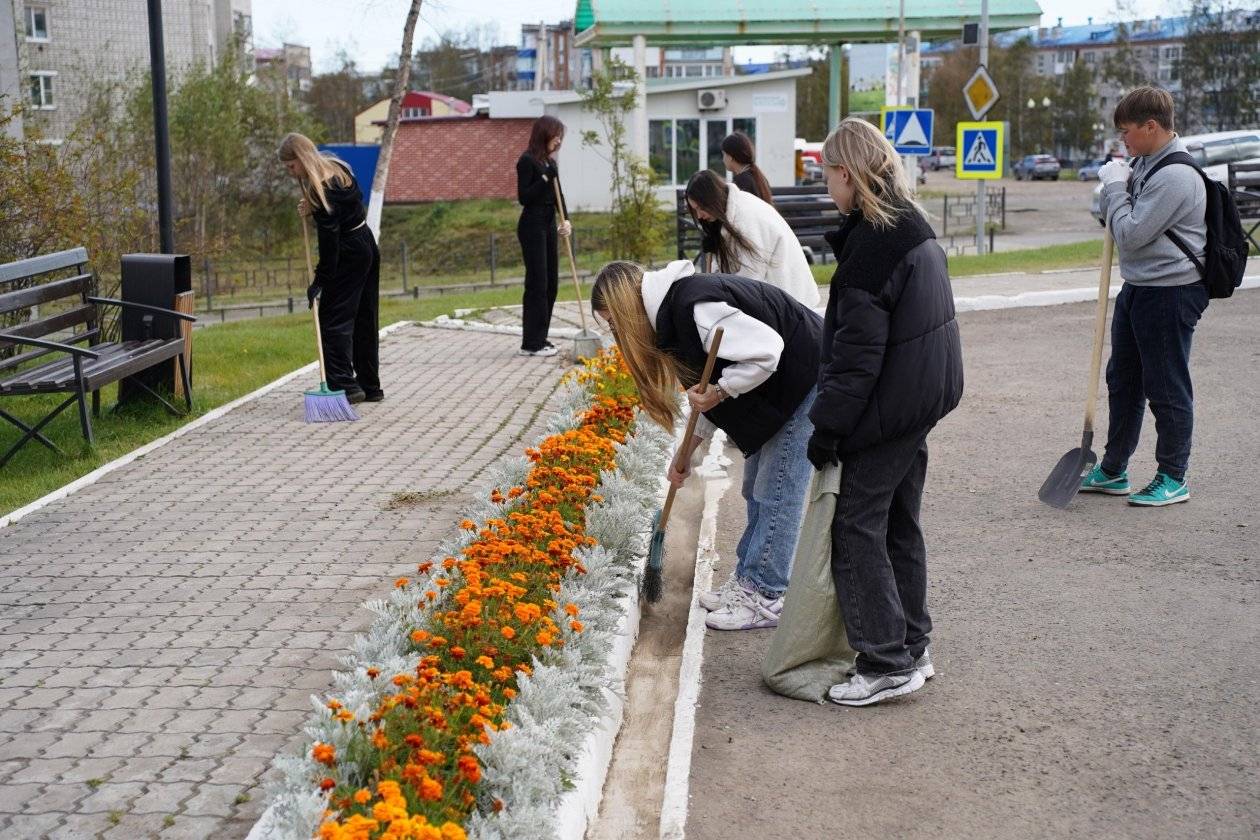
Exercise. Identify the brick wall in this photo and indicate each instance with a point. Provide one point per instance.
(457, 158)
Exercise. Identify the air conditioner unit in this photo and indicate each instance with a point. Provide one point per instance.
(713, 99)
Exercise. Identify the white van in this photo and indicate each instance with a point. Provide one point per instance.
(1213, 152)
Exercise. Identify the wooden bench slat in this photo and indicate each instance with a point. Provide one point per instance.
(85, 314)
(129, 361)
(45, 292)
(22, 269)
(30, 355)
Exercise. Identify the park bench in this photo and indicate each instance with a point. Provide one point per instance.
(809, 211)
(1244, 183)
(44, 313)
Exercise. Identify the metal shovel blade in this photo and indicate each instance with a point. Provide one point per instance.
(1065, 479)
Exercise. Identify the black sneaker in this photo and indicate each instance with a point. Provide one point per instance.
(375, 395)
(355, 395)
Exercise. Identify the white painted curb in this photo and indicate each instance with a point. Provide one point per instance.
(1051, 297)
(205, 419)
(674, 804)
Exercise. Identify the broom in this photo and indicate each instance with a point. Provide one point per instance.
(323, 405)
(652, 575)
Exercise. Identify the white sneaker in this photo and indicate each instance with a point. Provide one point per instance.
(715, 599)
(862, 690)
(547, 350)
(746, 610)
(924, 664)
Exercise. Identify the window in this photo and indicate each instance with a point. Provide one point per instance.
(1089, 58)
(413, 113)
(715, 131)
(42, 91)
(37, 23)
(686, 149)
(1172, 53)
(695, 70)
(748, 125)
(653, 72)
(661, 149)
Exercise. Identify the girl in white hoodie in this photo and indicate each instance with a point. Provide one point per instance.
(764, 384)
(748, 237)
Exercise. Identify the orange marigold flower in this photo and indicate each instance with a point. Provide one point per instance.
(379, 740)
(327, 784)
(424, 567)
(458, 652)
(485, 662)
(414, 740)
(508, 633)
(451, 831)
(469, 768)
(468, 525)
(345, 715)
(373, 673)
(324, 753)
(401, 582)
(576, 626)
(430, 789)
(420, 636)
(571, 609)
(544, 638)
(427, 757)
(362, 796)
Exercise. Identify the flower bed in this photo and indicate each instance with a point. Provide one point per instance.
(465, 705)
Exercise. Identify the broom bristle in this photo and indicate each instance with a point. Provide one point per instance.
(328, 408)
(653, 573)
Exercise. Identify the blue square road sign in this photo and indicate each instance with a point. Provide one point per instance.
(908, 129)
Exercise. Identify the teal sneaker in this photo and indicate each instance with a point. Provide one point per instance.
(1163, 490)
(1098, 481)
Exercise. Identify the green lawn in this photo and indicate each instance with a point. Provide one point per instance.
(1074, 255)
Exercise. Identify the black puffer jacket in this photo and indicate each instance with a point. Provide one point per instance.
(535, 188)
(891, 355)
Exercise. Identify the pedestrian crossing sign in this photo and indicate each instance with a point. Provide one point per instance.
(980, 150)
(908, 129)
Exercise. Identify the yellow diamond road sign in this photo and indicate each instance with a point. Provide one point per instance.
(980, 93)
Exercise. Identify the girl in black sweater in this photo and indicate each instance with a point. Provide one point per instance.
(741, 161)
(537, 182)
(348, 276)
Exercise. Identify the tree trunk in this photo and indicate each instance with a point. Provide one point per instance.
(377, 200)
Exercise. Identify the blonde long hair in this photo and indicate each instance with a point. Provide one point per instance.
(882, 191)
(318, 168)
(618, 291)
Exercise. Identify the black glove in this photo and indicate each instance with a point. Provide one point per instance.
(711, 236)
(823, 450)
(312, 292)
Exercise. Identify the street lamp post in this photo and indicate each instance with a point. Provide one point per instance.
(161, 134)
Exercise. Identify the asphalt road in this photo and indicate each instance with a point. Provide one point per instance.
(1097, 667)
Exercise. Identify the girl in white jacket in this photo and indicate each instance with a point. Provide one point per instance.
(749, 238)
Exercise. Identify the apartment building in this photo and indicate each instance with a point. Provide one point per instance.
(63, 47)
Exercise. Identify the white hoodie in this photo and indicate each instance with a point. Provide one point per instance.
(752, 346)
(776, 257)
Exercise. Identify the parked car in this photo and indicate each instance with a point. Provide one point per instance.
(813, 172)
(1036, 168)
(1089, 169)
(1214, 152)
(942, 157)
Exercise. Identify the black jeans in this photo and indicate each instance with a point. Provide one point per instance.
(878, 559)
(349, 311)
(1151, 333)
(537, 234)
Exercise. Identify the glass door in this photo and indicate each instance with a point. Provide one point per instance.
(715, 132)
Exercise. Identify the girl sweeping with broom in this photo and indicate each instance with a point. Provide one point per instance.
(767, 367)
(347, 276)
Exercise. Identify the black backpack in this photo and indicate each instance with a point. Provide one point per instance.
(1225, 259)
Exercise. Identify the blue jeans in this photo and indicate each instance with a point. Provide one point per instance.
(1151, 333)
(776, 479)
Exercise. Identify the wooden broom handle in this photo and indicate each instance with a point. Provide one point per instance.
(692, 419)
(568, 247)
(310, 278)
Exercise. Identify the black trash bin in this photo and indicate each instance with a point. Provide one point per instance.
(154, 280)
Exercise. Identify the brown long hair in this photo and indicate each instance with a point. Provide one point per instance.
(882, 191)
(740, 147)
(618, 290)
(318, 169)
(546, 128)
(710, 193)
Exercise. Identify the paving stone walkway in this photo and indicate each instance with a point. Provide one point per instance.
(162, 630)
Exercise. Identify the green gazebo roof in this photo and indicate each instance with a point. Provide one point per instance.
(613, 23)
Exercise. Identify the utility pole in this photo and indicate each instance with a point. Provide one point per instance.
(982, 206)
(161, 134)
(901, 53)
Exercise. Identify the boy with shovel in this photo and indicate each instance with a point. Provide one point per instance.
(1156, 215)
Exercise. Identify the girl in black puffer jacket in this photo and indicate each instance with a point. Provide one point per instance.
(537, 186)
(891, 368)
(348, 276)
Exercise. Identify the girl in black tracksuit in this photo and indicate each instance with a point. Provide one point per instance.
(537, 180)
(347, 277)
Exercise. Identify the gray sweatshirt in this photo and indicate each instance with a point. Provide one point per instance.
(1175, 198)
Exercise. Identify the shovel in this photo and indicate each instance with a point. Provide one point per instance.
(1065, 479)
(654, 571)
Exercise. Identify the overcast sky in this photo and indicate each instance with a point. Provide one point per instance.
(370, 31)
